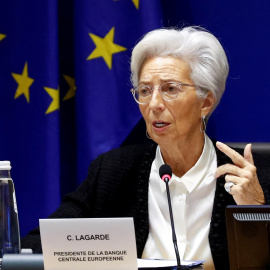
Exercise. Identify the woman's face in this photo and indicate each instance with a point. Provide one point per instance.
(175, 121)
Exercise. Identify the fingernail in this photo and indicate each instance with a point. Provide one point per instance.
(218, 143)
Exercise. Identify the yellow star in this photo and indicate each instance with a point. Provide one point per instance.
(24, 83)
(72, 87)
(55, 104)
(2, 36)
(105, 47)
(136, 3)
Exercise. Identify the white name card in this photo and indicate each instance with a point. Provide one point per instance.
(105, 243)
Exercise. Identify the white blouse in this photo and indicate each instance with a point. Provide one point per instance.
(192, 197)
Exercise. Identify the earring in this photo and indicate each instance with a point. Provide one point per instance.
(147, 135)
(203, 124)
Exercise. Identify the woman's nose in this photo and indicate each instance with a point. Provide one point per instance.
(156, 102)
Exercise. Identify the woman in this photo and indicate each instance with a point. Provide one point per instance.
(179, 77)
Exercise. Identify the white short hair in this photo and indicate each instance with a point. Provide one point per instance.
(197, 47)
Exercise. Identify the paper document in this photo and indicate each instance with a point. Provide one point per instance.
(145, 263)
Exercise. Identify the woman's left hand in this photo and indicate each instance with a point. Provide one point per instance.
(243, 174)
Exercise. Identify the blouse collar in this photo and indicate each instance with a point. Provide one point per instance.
(192, 178)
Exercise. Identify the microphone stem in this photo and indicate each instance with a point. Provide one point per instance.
(172, 224)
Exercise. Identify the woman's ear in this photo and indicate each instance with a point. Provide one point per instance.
(207, 103)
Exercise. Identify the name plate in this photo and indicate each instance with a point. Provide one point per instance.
(94, 243)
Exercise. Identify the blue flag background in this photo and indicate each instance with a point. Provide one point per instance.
(64, 84)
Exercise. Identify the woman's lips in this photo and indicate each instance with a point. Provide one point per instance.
(160, 126)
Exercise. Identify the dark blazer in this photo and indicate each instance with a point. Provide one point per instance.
(117, 186)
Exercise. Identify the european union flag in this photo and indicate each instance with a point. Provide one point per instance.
(64, 95)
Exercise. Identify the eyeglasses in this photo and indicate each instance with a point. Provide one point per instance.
(169, 91)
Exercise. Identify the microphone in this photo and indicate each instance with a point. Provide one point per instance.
(165, 173)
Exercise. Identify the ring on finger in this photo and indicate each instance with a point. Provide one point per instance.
(228, 186)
